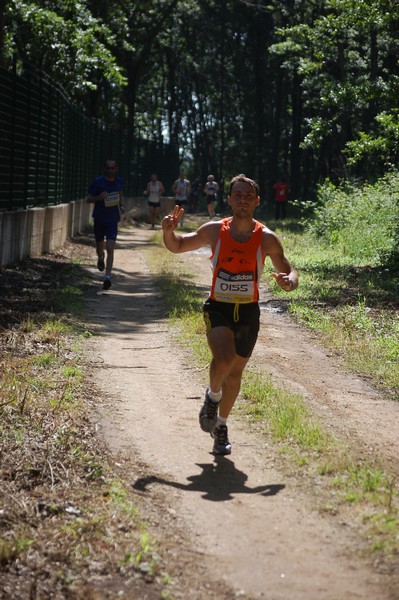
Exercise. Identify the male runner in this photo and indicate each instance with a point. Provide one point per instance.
(239, 245)
(105, 192)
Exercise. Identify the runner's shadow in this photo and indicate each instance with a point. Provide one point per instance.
(218, 481)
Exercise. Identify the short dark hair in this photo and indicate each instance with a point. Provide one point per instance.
(242, 177)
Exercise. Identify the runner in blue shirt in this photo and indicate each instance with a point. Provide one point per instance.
(105, 192)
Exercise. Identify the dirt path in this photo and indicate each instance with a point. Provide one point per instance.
(250, 526)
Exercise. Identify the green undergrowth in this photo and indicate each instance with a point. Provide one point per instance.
(347, 255)
(347, 483)
(353, 307)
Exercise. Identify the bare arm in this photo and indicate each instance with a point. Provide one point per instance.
(122, 209)
(205, 235)
(286, 277)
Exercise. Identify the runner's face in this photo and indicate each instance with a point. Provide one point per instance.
(110, 169)
(243, 199)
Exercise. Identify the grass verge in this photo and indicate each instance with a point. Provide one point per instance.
(353, 306)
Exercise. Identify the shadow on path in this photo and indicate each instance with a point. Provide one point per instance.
(218, 481)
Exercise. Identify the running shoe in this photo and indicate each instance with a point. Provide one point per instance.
(221, 444)
(101, 263)
(107, 283)
(208, 415)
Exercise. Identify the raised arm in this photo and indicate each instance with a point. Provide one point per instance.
(177, 242)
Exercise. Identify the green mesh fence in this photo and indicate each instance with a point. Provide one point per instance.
(50, 152)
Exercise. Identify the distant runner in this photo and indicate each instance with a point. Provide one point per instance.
(182, 190)
(211, 188)
(105, 192)
(154, 191)
(281, 189)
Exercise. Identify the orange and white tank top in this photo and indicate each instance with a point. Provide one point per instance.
(237, 267)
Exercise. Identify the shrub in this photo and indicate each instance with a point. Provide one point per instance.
(362, 222)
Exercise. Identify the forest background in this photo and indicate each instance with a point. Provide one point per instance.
(303, 89)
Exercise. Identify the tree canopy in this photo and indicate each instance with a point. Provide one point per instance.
(308, 90)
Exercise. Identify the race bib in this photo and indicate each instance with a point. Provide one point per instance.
(112, 199)
(234, 287)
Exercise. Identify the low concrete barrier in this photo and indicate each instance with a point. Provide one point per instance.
(55, 227)
(14, 236)
(37, 218)
(37, 231)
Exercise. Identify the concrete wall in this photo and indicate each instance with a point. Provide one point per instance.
(37, 231)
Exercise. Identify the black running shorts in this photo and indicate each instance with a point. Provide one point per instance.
(242, 319)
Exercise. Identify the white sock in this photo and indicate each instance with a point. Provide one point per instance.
(214, 396)
(221, 421)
